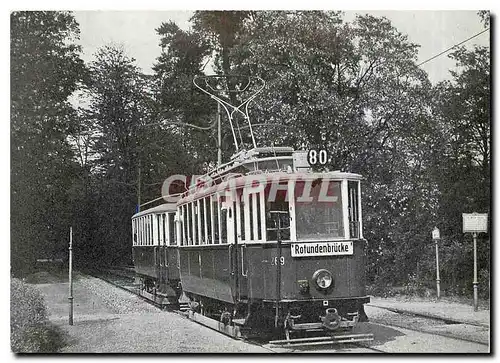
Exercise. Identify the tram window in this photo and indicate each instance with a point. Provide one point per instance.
(172, 230)
(143, 231)
(151, 218)
(183, 225)
(195, 223)
(279, 204)
(241, 206)
(133, 233)
(260, 220)
(141, 223)
(164, 228)
(201, 220)
(250, 218)
(150, 225)
(189, 224)
(148, 234)
(223, 225)
(216, 212)
(187, 219)
(158, 232)
(208, 217)
(235, 222)
(318, 214)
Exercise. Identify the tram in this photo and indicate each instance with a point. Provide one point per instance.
(154, 253)
(262, 242)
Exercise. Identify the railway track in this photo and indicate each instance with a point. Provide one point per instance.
(124, 279)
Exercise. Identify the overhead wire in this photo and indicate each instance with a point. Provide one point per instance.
(456, 45)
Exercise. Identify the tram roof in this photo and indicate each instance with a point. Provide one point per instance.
(166, 207)
(247, 180)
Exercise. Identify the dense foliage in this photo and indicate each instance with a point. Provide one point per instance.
(353, 88)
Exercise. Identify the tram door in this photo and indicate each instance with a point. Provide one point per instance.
(232, 241)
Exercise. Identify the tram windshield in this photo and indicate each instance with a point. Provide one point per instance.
(318, 209)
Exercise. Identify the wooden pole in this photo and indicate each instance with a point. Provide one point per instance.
(139, 187)
(70, 298)
(219, 146)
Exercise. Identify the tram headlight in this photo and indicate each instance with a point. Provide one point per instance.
(323, 279)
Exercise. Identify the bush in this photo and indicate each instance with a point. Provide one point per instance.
(30, 331)
(415, 286)
(484, 284)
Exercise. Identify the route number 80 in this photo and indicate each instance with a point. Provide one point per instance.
(317, 157)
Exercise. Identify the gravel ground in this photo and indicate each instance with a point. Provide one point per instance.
(474, 333)
(119, 301)
(443, 309)
(110, 320)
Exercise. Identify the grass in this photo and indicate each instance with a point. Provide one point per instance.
(30, 330)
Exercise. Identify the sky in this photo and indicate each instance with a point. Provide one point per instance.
(435, 31)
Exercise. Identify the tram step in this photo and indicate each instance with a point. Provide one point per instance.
(239, 322)
(330, 339)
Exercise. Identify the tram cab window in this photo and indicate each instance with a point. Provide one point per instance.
(353, 206)
(318, 209)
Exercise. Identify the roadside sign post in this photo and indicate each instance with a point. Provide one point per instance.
(475, 282)
(436, 237)
(475, 223)
(70, 297)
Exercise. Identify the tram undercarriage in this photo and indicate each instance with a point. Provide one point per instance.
(297, 322)
(162, 294)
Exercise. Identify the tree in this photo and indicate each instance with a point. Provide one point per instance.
(179, 104)
(118, 107)
(45, 70)
(355, 90)
(463, 169)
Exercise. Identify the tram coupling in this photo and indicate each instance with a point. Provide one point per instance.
(337, 329)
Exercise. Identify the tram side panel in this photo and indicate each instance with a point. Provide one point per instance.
(205, 271)
(172, 263)
(144, 261)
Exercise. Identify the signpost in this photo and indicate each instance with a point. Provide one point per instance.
(475, 223)
(436, 237)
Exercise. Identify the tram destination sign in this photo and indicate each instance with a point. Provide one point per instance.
(322, 249)
(475, 222)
